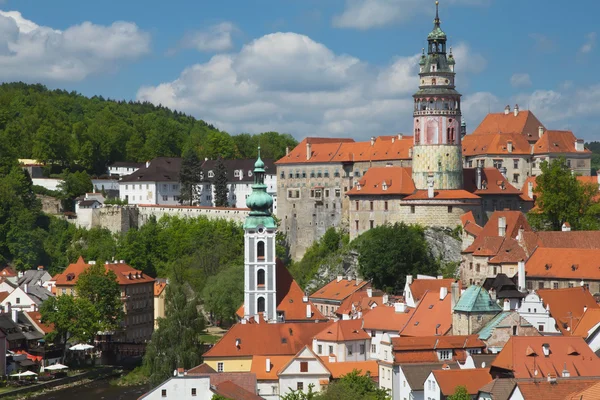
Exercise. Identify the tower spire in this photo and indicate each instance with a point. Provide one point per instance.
(436, 21)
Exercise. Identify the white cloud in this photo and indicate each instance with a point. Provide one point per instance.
(215, 38)
(542, 43)
(289, 83)
(366, 14)
(518, 80)
(29, 51)
(590, 42)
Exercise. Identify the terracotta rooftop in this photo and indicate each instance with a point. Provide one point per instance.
(385, 181)
(416, 374)
(385, 318)
(557, 142)
(265, 339)
(436, 342)
(126, 275)
(443, 195)
(230, 390)
(573, 264)
(489, 242)
(469, 224)
(259, 366)
(471, 379)
(590, 393)
(8, 272)
(589, 319)
(499, 389)
(36, 318)
(522, 355)
(432, 316)
(562, 389)
(159, 287)
(419, 287)
(343, 330)
(524, 123)
(3, 295)
(201, 369)
(492, 182)
(570, 239)
(339, 369)
(495, 144)
(567, 305)
(359, 301)
(338, 290)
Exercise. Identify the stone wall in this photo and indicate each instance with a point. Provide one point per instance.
(50, 205)
(443, 161)
(468, 324)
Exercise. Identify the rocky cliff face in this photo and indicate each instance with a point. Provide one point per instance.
(443, 245)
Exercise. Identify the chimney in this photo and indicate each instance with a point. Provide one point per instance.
(516, 110)
(370, 292)
(530, 189)
(506, 305)
(15, 315)
(400, 136)
(287, 150)
(454, 294)
(579, 145)
(268, 365)
(410, 152)
(147, 164)
(551, 378)
(308, 151)
(238, 342)
(409, 279)
(393, 139)
(520, 233)
(332, 358)
(540, 131)
(20, 274)
(478, 173)
(400, 307)
(26, 288)
(566, 227)
(372, 140)
(339, 278)
(502, 226)
(430, 191)
(443, 292)
(546, 349)
(40, 267)
(308, 311)
(506, 110)
(509, 146)
(521, 275)
(492, 293)
(358, 280)
(385, 299)
(305, 298)
(584, 309)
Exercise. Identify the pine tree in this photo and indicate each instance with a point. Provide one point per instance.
(190, 177)
(220, 183)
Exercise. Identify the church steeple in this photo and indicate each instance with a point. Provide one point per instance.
(259, 202)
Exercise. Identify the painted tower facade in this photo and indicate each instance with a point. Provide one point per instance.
(260, 295)
(437, 155)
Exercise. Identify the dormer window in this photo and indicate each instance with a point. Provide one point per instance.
(384, 186)
(236, 173)
(211, 174)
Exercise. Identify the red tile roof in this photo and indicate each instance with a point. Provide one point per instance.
(570, 239)
(339, 369)
(259, 366)
(591, 392)
(492, 182)
(524, 123)
(343, 330)
(567, 305)
(230, 390)
(419, 287)
(36, 318)
(385, 181)
(472, 379)
(557, 142)
(201, 369)
(495, 144)
(469, 224)
(159, 287)
(488, 242)
(322, 150)
(523, 355)
(436, 342)
(562, 389)
(8, 272)
(265, 339)
(126, 275)
(432, 316)
(443, 195)
(3, 295)
(338, 291)
(385, 318)
(588, 320)
(359, 301)
(571, 263)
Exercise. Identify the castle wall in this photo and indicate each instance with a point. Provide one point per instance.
(444, 162)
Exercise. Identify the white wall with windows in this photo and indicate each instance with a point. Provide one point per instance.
(304, 370)
(165, 193)
(180, 388)
(431, 388)
(533, 310)
(353, 350)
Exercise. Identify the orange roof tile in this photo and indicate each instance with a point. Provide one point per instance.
(338, 291)
(560, 390)
(230, 390)
(589, 319)
(469, 224)
(126, 275)
(443, 195)
(570, 263)
(339, 369)
(8, 272)
(159, 287)
(36, 318)
(591, 392)
(495, 144)
(524, 123)
(513, 357)
(514, 220)
(419, 287)
(509, 252)
(432, 316)
(570, 239)
(343, 330)
(471, 379)
(359, 301)
(400, 344)
(322, 150)
(259, 366)
(567, 305)
(385, 318)
(557, 142)
(3, 295)
(493, 182)
(385, 181)
(201, 369)
(265, 339)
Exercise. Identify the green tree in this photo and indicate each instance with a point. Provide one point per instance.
(562, 198)
(190, 177)
(388, 253)
(354, 386)
(224, 293)
(100, 287)
(300, 395)
(176, 342)
(460, 393)
(220, 183)
(73, 185)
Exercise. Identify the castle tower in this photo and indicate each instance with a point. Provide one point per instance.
(437, 118)
(260, 295)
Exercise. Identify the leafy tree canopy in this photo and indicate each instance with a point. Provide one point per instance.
(190, 177)
(220, 184)
(352, 386)
(460, 393)
(224, 293)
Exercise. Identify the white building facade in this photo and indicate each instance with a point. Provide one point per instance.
(304, 370)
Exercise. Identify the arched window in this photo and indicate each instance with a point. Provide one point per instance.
(260, 250)
(260, 304)
(260, 277)
(433, 81)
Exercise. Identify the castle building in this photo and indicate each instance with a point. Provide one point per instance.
(437, 117)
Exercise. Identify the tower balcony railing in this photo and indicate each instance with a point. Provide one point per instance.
(436, 112)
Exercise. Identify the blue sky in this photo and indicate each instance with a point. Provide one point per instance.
(309, 67)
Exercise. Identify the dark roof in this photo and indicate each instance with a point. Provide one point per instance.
(230, 390)
(478, 359)
(201, 369)
(37, 293)
(231, 166)
(32, 276)
(499, 389)
(88, 203)
(416, 374)
(161, 169)
(10, 328)
(504, 287)
(130, 164)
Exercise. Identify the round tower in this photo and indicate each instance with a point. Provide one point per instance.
(437, 152)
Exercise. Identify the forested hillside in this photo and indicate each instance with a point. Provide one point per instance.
(79, 133)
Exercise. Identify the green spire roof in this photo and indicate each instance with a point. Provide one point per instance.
(259, 202)
(476, 299)
(437, 33)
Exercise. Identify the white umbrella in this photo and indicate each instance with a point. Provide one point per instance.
(26, 373)
(80, 347)
(55, 367)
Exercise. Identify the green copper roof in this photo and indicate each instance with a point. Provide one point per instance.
(476, 299)
(259, 202)
(496, 322)
(437, 33)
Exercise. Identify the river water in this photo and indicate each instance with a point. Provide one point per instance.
(97, 390)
